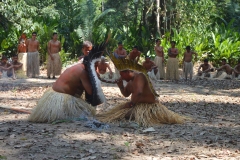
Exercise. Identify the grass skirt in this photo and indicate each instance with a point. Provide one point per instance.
(56, 106)
(158, 61)
(33, 64)
(54, 67)
(144, 114)
(188, 68)
(23, 59)
(172, 69)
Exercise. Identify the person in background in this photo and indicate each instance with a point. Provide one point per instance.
(159, 59)
(188, 65)
(172, 63)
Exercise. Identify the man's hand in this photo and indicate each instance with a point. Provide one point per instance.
(120, 83)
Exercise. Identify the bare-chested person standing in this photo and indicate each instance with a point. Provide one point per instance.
(172, 63)
(225, 71)
(102, 67)
(54, 63)
(134, 55)
(61, 101)
(159, 59)
(151, 67)
(204, 69)
(188, 65)
(236, 70)
(33, 56)
(120, 52)
(22, 52)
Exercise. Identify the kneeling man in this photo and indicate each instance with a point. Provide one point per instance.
(152, 69)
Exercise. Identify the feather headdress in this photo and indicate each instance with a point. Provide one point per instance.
(89, 61)
(125, 64)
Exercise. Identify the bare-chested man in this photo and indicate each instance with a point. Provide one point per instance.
(54, 64)
(151, 68)
(120, 52)
(236, 70)
(159, 59)
(225, 71)
(33, 56)
(60, 102)
(5, 68)
(143, 108)
(204, 69)
(172, 63)
(17, 68)
(22, 54)
(188, 65)
(102, 67)
(134, 55)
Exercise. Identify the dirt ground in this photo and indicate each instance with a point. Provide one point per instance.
(214, 132)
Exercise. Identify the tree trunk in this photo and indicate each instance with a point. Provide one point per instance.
(158, 9)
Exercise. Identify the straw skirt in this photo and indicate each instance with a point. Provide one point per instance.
(144, 114)
(33, 64)
(56, 106)
(22, 57)
(158, 61)
(54, 66)
(172, 69)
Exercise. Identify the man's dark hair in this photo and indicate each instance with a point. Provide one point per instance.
(157, 40)
(87, 44)
(188, 48)
(119, 43)
(34, 33)
(135, 47)
(174, 42)
(54, 33)
(205, 60)
(224, 60)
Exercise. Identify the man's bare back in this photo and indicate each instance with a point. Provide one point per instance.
(227, 68)
(73, 80)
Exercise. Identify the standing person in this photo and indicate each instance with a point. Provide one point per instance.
(172, 63)
(134, 55)
(144, 108)
(188, 65)
(22, 54)
(159, 59)
(54, 64)
(33, 56)
(120, 52)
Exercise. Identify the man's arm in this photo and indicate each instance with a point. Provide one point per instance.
(17, 66)
(85, 81)
(123, 89)
(184, 56)
(222, 67)
(49, 50)
(110, 70)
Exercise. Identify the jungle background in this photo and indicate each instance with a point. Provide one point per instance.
(210, 27)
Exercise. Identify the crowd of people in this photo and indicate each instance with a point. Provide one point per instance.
(26, 62)
(65, 98)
